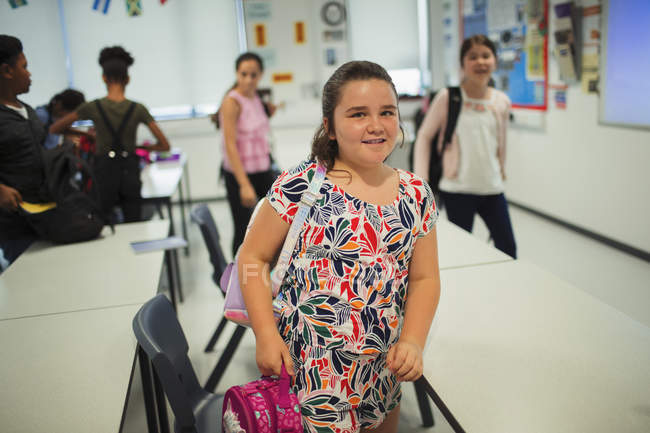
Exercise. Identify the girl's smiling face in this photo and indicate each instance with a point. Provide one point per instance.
(479, 63)
(366, 122)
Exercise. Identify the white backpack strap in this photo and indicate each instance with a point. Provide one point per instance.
(306, 202)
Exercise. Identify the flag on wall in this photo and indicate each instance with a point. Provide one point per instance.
(133, 8)
(104, 4)
(17, 3)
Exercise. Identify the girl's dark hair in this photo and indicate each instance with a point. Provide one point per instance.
(115, 62)
(70, 99)
(10, 49)
(249, 56)
(242, 58)
(476, 40)
(323, 148)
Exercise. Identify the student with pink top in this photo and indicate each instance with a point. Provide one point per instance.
(246, 151)
(473, 163)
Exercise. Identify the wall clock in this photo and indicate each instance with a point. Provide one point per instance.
(333, 13)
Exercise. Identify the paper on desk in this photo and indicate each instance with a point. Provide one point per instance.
(170, 243)
(37, 207)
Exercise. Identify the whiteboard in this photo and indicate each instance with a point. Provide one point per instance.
(625, 64)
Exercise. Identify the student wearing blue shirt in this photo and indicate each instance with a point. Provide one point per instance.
(60, 105)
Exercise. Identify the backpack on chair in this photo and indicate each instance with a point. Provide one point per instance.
(77, 216)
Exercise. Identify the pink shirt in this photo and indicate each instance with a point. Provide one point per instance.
(252, 130)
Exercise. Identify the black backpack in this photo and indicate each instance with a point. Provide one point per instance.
(435, 161)
(77, 216)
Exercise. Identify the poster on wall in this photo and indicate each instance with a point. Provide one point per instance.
(258, 11)
(299, 32)
(591, 45)
(260, 35)
(519, 30)
(450, 24)
(268, 56)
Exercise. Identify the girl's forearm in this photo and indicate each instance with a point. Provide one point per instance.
(421, 305)
(254, 280)
(158, 147)
(236, 164)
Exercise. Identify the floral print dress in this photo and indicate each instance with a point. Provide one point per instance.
(344, 294)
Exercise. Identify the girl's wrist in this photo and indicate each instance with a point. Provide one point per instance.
(411, 340)
(266, 332)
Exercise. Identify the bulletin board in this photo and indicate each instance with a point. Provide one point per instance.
(520, 30)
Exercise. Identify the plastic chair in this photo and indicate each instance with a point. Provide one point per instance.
(161, 338)
(203, 217)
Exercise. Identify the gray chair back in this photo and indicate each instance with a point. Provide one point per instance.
(203, 217)
(161, 337)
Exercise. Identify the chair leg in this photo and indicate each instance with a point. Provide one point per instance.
(147, 391)
(444, 410)
(161, 403)
(227, 354)
(215, 336)
(170, 277)
(188, 199)
(183, 223)
(177, 271)
(423, 404)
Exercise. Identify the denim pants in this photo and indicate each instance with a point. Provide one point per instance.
(493, 209)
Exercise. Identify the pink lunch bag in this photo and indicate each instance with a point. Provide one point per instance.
(266, 405)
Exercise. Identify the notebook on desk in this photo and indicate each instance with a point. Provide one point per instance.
(169, 243)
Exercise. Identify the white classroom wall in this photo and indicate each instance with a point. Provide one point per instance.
(565, 164)
(568, 166)
(184, 50)
(377, 26)
(38, 28)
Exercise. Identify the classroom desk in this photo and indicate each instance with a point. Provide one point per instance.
(516, 349)
(458, 248)
(66, 372)
(104, 272)
(160, 180)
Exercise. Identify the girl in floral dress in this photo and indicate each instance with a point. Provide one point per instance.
(363, 285)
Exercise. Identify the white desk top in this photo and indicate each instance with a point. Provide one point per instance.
(515, 349)
(458, 248)
(160, 179)
(104, 272)
(54, 377)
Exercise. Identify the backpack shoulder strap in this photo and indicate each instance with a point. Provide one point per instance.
(105, 118)
(453, 111)
(125, 119)
(306, 202)
(117, 135)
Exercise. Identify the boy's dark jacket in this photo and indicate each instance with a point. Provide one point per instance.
(21, 164)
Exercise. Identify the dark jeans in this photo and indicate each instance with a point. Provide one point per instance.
(118, 180)
(493, 209)
(261, 182)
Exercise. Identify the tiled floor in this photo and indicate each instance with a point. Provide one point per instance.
(614, 277)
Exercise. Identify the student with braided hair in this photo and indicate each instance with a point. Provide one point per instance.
(116, 120)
